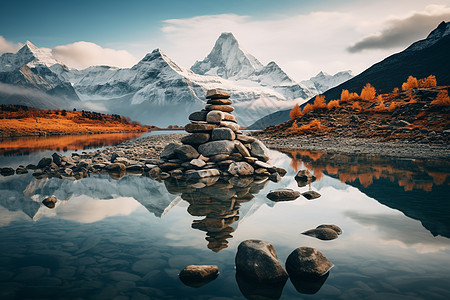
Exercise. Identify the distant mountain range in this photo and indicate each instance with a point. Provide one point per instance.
(156, 90)
(426, 57)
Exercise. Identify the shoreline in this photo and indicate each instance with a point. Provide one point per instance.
(354, 146)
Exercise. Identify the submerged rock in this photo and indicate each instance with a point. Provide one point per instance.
(322, 233)
(198, 275)
(283, 195)
(331, 226)
(257, 260)
(307, 262)
(310, 286)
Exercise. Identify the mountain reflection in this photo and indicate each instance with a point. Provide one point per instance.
(26, 145)
(407, 173)
(218, 201)
(418, 188)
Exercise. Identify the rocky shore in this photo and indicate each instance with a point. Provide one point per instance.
(371, 146)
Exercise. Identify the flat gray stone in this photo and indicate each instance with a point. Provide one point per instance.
(198, 116)
(216, 147)
(197, 174)
(222, 134)
(259, 150)
(169, 151)
(186, 152)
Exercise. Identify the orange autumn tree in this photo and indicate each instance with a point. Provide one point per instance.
(428, 82)
(410, 83)
(319, 102)
(347, 96)
(368, 92)
(333, 103)
(296, 112)
(442, 99)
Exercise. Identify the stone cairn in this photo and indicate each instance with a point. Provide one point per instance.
(216, 146)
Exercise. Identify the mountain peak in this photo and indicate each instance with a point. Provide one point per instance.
(442, 30)
(158, 58)
(228, 60)
(30, 45)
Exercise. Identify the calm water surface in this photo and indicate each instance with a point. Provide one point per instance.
(129, 238)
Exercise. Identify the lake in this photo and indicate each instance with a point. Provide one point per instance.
(129, 238)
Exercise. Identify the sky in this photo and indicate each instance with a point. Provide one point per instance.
(304, 37)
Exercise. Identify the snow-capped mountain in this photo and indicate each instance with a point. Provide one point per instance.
(227, 60)
(30, 67)
(156, 90)
(323, 81)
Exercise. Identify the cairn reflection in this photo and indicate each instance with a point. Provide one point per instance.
(217, 200)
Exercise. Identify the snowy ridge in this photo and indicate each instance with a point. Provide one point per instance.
(158, 91)
(323, 81)
(29, 55)
(441, 31)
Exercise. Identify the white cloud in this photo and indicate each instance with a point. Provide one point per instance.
(84, 54)
(6, 46)
(401, 31)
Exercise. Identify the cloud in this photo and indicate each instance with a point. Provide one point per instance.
(6, 46)
(401, 31)
(84, 54)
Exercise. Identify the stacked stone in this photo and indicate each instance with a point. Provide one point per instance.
(216, 146)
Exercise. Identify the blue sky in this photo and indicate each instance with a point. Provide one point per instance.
(52, 23)
(303, 37)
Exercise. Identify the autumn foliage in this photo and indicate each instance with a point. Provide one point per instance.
(332, 103)
(410, 83)
(368, 92)
(442, 99)
(312, 126)
(380, 107)
(296, 112)
(347, 96)
(21, 121)
(428, 82)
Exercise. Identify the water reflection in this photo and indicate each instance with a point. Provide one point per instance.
(218, 200)
(26, 145)
(418, 188)
(410, 174)
(129, 238)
